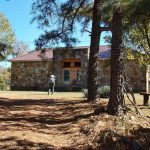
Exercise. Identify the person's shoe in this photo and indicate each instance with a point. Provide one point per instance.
(49, 91)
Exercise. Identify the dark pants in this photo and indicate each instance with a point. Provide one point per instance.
(51, 88)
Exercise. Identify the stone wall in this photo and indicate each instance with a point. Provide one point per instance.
(136, 74)
(30, 75)
(104, 73)
(60, 54)
(34, 75)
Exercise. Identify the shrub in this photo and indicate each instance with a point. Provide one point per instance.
(63, 89)
(68, 88)
(77, 89)
(85, 93)
(2, 84)
(103, 92)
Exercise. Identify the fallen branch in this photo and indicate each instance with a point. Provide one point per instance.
(136, 145)
(136, 109)
(133, 97)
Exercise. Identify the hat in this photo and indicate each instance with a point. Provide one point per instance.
(52, 76)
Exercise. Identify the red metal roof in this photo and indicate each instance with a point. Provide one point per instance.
(35, 56)
(48, 55)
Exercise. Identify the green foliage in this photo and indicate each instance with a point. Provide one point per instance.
(2, 83)
(85, 93)
(4, 78)
(137, 33)
(68, 89)
(137, 38)
(6, 36)
(103, 92)
(77, 89)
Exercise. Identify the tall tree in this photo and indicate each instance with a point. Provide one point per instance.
(93, 75)
(116, 103)
(123, 12)
(6, 37)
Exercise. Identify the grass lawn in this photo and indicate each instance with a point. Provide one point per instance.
(64, 120)
(40, 95)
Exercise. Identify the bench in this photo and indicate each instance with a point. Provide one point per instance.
(146, 98)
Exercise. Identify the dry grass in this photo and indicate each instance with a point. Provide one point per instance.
(40, 95)
(35, 120)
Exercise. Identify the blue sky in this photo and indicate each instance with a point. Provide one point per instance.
(19, 14)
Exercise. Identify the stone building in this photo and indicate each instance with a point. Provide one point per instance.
(69, 65)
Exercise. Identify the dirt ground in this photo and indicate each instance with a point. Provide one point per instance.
(35, 120)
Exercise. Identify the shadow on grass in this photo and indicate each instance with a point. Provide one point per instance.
(41, 117)
(23, 144)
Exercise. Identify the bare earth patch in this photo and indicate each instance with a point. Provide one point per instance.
(34, 120)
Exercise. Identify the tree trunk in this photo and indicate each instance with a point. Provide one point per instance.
(116, 105)
(93, 75)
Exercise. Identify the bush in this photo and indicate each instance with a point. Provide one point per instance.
(2, 84)
(85, 93)
(103, 92)
(68, 88)
(77, 89)
(63, 89)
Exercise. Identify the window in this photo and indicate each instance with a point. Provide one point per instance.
(77, 64)
(66, 75)
(67, 64)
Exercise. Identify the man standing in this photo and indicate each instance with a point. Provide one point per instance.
(51, 84)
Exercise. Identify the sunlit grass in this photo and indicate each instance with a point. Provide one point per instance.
(56, 95)
(40, 95)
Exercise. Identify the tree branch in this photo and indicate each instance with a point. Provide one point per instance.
(88, 31)
(105, 29)
(146, 34)
(63, 22)
(75, 14)
(1, 56)
(101, 29)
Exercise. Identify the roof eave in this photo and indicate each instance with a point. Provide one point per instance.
(30, 60)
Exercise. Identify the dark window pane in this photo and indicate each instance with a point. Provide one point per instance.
(66, 64)
(66, 75)
(77, 64)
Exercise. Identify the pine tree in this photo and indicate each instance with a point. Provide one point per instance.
(116, 103)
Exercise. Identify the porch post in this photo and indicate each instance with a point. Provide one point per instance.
(148, 79)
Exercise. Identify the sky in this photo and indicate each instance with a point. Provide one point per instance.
(19, 15)
(18, 12)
